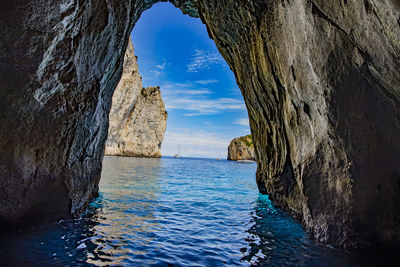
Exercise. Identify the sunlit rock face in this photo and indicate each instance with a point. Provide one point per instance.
(320, 80)
(137, 120)
(241, 148)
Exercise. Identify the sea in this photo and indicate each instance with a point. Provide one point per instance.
(173, 212)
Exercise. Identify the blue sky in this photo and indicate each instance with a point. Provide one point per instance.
(205, 107)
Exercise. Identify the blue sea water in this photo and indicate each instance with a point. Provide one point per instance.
(172, 212)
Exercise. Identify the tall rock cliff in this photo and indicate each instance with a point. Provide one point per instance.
(241, 148)
(320, 79)
(138, 119)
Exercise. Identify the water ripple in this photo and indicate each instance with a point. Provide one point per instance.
(164, 212)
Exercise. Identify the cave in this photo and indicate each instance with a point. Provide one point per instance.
(320, 82)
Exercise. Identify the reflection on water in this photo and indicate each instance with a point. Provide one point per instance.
(127, 217)
(185, 212)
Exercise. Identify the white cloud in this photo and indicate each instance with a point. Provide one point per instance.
(235, 91)
(242, 121)
(189, 137)
(210, 125)
(206, 82)
(162, 66)
(194, 144)
(187, 84)
(197, 101)
(203, 60)
(173, 85)
(201, 106)
(181, 90)
(187, 88)
(187, 92)
(157, 73)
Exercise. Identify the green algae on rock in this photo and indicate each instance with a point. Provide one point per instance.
(241, 148)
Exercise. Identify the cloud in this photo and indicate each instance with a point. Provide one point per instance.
(201, 106)
(174, 85)
(235, 92)
(162, 66)
(188, 92)
(242, 121)
(210, 125)
(157, 73)
(179, 90)
(188, 84)
(203, 60)
(193, 143)
(190, 137)
(206, 82)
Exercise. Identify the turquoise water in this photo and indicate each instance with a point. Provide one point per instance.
(172, 212)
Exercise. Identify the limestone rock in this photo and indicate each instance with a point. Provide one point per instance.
(138, 119)
(320, 80)
(241, 148)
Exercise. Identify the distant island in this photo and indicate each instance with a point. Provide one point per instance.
(241, 148)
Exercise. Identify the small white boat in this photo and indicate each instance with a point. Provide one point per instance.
(178, 156)
(245, 161)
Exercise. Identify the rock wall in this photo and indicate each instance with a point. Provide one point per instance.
(138, 119)
(321, 83)
(320, 80)
(241, 148)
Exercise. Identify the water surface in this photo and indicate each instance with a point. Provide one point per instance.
(182, 212)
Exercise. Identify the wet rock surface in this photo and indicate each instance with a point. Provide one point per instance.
(320, 80)
(241, 148)
(138, 119)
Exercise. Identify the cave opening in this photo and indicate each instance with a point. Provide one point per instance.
(197, 89)
(205, 112)
(320, 85)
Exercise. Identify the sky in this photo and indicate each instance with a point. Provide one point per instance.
(205, 106)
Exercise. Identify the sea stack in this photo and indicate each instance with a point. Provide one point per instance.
(241, 148)
(138, 118)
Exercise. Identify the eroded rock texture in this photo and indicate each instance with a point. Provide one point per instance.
(60, 62)
(321, 83)
(320, 79)
(137, 120)
(241, 148)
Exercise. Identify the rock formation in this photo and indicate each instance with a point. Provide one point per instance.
(241, 148)
(137, 118)
(320, 79)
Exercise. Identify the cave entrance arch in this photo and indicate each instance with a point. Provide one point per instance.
(321, 93)
(205, 108)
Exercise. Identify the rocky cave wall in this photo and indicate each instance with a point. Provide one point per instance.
(320, 80)
(60, 62)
